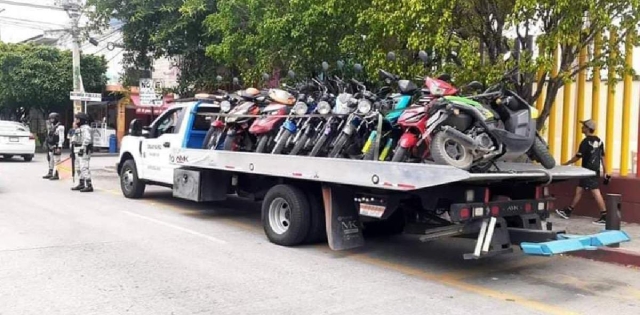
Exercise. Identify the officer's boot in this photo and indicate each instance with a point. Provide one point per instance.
(80, 186)
(87, 187)
(49, 175)
(55, 176)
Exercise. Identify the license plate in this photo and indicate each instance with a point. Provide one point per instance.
(14, 139)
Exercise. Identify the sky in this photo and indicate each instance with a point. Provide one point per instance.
(53, 19)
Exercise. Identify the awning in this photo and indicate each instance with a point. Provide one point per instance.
(148, 110)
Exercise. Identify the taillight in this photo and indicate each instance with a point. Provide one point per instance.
(465, 213)
(495, 211)
(32, 137)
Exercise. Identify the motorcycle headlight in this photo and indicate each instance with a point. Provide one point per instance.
(364, 106)
(225, 106)
(323, 108)
(300, 108)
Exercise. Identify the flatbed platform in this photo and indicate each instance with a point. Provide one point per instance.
(371, 174)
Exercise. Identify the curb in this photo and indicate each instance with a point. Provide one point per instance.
(610, 255)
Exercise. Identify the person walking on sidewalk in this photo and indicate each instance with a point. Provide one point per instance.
(83, 153)
(591, 151)
(54, 142)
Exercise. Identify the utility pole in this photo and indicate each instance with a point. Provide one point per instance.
(73, 9)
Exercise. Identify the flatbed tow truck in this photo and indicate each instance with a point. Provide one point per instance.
(310, 199)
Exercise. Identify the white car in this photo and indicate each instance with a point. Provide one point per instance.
(16, 139)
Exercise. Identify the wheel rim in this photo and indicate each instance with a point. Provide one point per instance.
(455, 150)
(279, 216)
(127, 179)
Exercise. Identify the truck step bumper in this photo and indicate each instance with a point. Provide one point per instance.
(569, 243)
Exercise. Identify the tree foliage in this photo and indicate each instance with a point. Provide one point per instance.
(41, 77)
(465, 38)
(162, 28)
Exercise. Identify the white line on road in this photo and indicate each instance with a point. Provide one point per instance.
(179, 228)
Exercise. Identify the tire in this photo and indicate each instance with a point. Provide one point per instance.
(400, 155)
(262, 144)
(318, 146)
(7, 157)
(28, 158)
(339, 146)
(317, 229)
(299, 145)
(540, 153)
(283, 229)
(440, 155)
(286, 134)
(211, 139)
(229, 143)
(130, 184)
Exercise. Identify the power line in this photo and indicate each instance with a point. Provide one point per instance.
(24, 25)
(36, 6)
(30, 21)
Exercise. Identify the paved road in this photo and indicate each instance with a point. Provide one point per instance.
(72, 253)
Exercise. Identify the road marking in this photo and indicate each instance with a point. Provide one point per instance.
(453, 282)
(176, 227)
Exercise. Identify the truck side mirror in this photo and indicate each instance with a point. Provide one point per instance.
(135, 128)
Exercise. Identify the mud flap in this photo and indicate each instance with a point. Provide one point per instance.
(343, 222)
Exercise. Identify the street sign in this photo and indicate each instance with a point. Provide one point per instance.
(148, 95)
(86, 97)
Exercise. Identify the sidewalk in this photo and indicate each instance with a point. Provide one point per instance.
(627, 254)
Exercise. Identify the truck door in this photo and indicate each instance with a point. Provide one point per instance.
(163, 136)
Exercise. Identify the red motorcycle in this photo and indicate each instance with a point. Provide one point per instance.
(265, 129)
(236, 137)
(415, 140)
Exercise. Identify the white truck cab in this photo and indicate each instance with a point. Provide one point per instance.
(146, 150)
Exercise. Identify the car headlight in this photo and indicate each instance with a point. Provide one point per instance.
(225, 106)
(364, 106)
(300, 108)
(323, 108)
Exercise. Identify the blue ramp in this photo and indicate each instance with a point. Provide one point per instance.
(569, 243)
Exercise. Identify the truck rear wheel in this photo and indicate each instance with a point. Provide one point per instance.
(317, 230)
(286, 216)
(131, 186)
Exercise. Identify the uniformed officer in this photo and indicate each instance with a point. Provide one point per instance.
(76, 144)
(84, 142)
(54, 142)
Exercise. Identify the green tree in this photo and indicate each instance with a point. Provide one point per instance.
(41, 77)
(162, 28)
(468, 37)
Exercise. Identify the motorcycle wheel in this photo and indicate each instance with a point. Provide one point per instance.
(339, 146)
(299, 145)
(539, 152)
(319, 145)
(446, 150)
(284, 139)
(400, 154)
(229, 143)
(211, 139)
(262, 144)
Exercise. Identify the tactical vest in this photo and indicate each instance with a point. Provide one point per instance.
(53, 138)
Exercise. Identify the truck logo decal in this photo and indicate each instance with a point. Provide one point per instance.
(178, 159)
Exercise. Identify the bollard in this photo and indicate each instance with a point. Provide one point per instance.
(613, 213)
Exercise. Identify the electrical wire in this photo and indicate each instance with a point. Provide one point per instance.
(30, 21)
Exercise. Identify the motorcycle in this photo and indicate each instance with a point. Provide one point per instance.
(212, 140)
(390, 131)
(237, 137)
(468, 135)
(415, 140)
(264, 128)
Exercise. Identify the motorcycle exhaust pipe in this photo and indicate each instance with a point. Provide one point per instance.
(464, 139)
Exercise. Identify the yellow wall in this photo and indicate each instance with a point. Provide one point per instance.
(601, 132)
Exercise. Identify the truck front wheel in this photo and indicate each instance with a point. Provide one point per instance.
(131, 186)
(286, 215)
